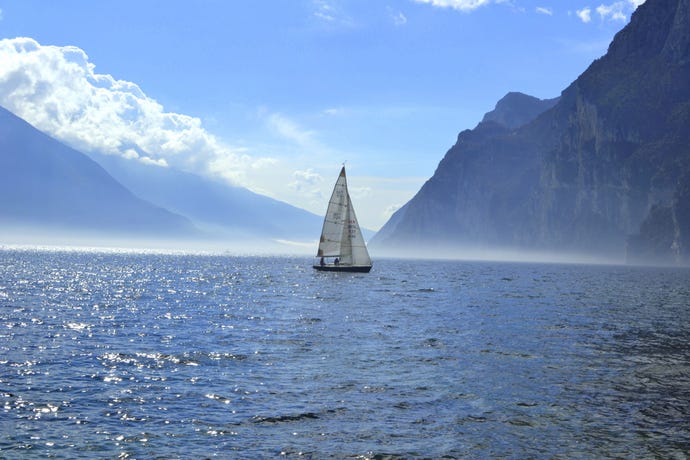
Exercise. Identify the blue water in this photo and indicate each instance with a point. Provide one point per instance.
(106, 355)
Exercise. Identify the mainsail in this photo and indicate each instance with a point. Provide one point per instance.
(341, 236)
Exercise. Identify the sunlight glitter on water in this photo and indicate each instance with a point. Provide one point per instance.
(197, 356)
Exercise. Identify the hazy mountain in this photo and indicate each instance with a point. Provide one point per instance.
(216, 207)
(517, 109)
(604, 171)
(48, 186)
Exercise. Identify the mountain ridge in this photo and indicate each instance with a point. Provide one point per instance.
(217, 207)
(54, 192)
(516, 109)
(583, 175)
(47, 184)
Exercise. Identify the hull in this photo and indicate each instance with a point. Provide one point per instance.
(343, 268)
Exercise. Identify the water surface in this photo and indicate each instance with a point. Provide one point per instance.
(187, 356)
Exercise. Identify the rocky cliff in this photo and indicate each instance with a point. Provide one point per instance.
(605, 170)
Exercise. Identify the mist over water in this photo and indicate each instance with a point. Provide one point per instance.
(189, 356)
(28, 238)
(470, 252)
(242, 244)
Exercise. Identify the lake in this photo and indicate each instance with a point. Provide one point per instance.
(150, 355)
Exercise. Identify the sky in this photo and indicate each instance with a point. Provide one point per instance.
(275, 95)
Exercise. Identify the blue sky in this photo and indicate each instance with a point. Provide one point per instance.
(275, 95)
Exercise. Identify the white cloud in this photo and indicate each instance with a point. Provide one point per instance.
(360, 193)
(585, 14)
(461, 5)
(308, 184)
(614, 12)
(150, 161)
(399, 19)
(331, 13)
(57, 90)
(390, 210)
(543, 10)
(305, 178)
(332, 111)
(290, 130)
(130, 154)
(324, 10)
(263, 163)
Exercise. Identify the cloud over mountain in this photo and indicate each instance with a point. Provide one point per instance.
(57, 89)
(616, 11)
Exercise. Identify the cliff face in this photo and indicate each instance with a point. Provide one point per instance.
(623, 150)
(606, 170)
(478, 195)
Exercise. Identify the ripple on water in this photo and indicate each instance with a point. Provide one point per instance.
(121, 355)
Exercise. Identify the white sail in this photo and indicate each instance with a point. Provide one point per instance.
(356, 248)
(341, 236)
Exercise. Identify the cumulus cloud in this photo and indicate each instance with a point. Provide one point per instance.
(616, 11)
(305, 178)
(150, 161)
(58, 90)
(585, 14)
(461, 5)
(307, 183)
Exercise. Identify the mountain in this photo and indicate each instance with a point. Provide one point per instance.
(517, 109)
(216, 207)
(475, 196)
(45, 184)
(605, 171)
(49, 188)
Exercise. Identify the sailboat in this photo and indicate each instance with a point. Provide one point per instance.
(342, 247)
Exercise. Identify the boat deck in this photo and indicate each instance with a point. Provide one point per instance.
(343, 268)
